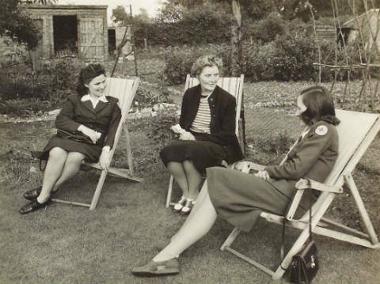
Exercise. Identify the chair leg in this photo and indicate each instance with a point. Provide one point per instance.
(98, 190)
(230, 239)
(363, 212)
(129, 150)
(170, 190)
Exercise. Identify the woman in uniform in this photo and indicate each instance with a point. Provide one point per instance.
(86, 128)
(239, 198)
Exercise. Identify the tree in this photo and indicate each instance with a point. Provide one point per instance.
(121, 17)
(42, 2)
(171, 12)
(16, 24)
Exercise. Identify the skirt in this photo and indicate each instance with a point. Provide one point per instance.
(239, 198)
(203, 154)
(90, 151)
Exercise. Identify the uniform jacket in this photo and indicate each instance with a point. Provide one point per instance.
(223, 114)
(311, 157)
(104, 118)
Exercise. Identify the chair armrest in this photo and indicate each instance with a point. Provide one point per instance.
(312, 184)
(303, 184)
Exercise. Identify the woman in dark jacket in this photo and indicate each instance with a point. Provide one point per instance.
(86, 128)
(239, 198)
(207, 137)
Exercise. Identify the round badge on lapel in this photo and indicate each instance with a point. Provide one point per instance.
(321, 130)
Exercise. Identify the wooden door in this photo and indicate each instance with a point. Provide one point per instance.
(91, 39)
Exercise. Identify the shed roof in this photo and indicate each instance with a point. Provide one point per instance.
(361, 20)
(66, 7)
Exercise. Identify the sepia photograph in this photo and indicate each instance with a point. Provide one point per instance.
(189, 141)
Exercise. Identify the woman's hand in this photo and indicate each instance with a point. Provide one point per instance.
(92, 134)
(263, 174)
(105, 158)
(186, 136)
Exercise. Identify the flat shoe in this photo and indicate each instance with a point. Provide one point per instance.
(32, 194)
(33, 206)
(159, 268)
(179, 205)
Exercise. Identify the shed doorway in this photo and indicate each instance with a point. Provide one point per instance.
(65, 33)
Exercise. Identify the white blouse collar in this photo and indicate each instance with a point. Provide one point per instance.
(89, 98)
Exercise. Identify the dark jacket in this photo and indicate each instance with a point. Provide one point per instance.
(104, 118)
(312, 157)
(223, 114)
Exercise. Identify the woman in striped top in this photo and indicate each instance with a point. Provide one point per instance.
(208, 136)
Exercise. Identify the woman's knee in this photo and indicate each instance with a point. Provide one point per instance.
(57, 153)
(75, 158)
(175, 167)
(190, 167)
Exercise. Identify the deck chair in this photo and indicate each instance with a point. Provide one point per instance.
(233, 85)
(356, 132)
(124, 90)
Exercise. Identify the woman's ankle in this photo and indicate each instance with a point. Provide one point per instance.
(164, 257)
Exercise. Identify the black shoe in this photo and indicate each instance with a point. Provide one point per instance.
(161, 268)
(33, 206)
(32, 194)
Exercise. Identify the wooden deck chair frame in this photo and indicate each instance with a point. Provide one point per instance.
(124, 90)
(233, 85)
(356, 132)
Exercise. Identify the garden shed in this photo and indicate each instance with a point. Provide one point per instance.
(71, 29)
(367, 25)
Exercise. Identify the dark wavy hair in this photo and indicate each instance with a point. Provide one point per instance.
(319, 106)
(86, 75)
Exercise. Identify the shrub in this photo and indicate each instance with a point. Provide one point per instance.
(201, 25)
(294, 58)
(24, 107)
(19, 82)
(23, 91)
(178, 61)
(267, 29)
(258, 62)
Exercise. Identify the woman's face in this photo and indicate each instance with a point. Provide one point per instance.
(300, 106)
(208, 78)
(96, 86)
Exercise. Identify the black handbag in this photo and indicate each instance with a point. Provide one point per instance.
(305, 263)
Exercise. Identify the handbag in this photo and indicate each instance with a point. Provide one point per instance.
(305, 264)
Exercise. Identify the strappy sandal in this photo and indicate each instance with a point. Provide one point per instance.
(187, 207)
(179, 205)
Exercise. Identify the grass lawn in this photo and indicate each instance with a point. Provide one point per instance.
(66, 244)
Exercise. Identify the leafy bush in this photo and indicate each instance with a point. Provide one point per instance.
(202, 25)
(267, 29)
(258, 62)
(17, 82)
(294, 58)
(23, 91)
(178, 61)
(23, 107)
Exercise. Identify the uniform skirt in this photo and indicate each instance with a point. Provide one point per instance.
(203, 154)
(90, 151)
(240, 198)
